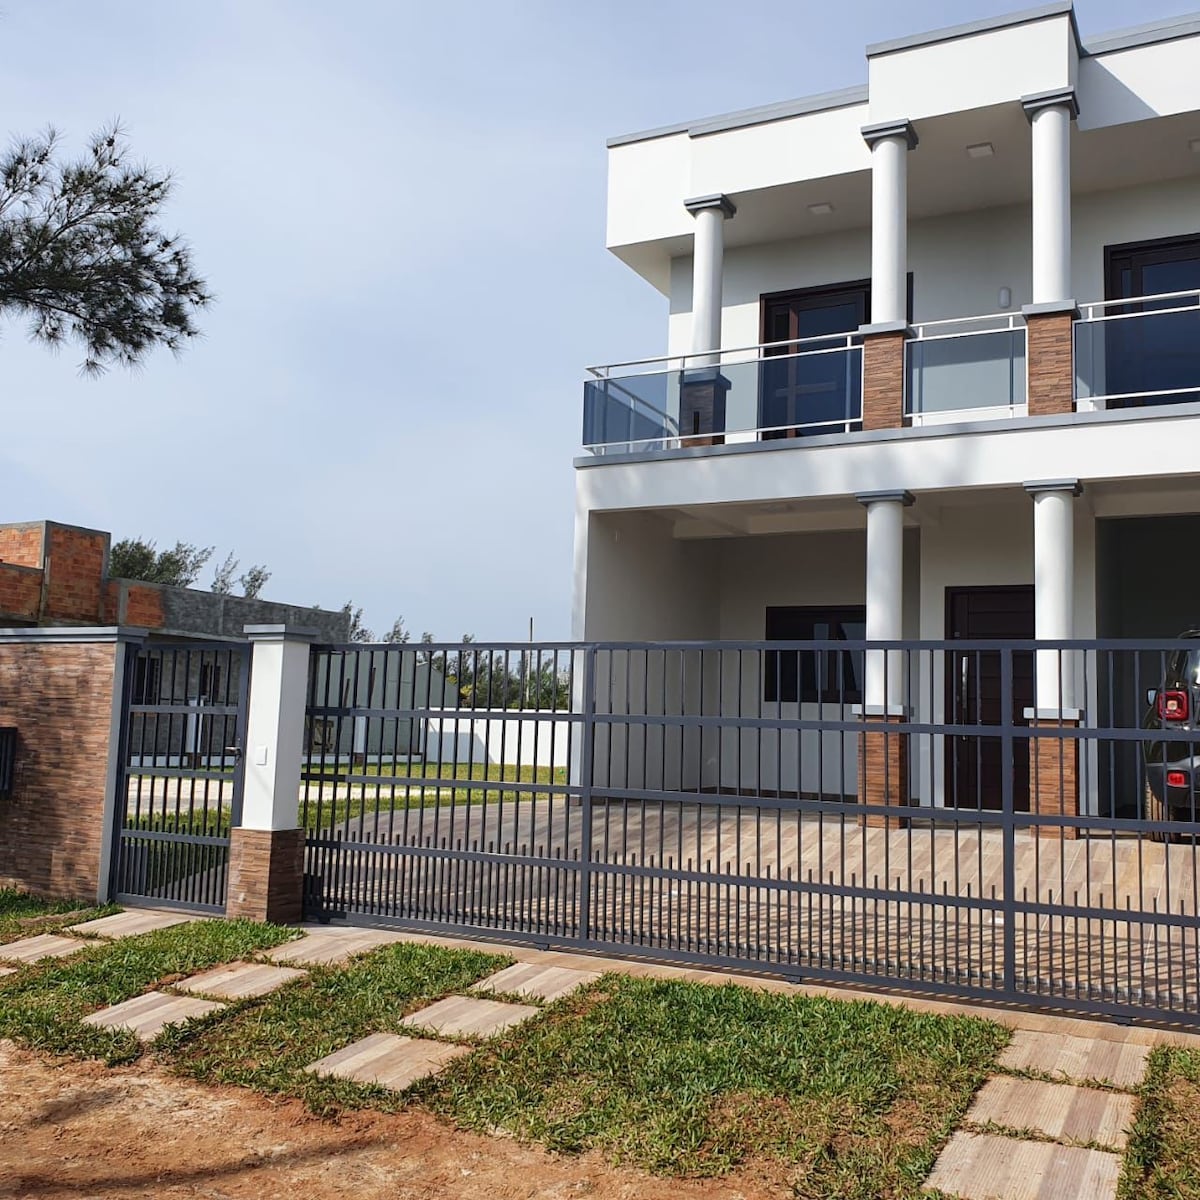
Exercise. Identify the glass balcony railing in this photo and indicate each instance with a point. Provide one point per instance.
(1136, 352)
(965, 368)
(781, 390)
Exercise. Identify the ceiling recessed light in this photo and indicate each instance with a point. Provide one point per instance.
(821, 209)
(981, 150)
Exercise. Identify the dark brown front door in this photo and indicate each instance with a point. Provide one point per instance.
(974, 769)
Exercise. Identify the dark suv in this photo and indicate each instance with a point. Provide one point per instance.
(1173, 768)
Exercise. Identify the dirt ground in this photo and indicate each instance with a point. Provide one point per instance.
(82, 1130)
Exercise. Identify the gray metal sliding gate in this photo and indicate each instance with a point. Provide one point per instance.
(179, 788)
(988, 834)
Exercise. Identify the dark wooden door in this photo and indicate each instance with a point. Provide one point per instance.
(809, 394)
(974, 768)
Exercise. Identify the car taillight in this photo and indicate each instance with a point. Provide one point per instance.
(1176, 779)
(1173, 706)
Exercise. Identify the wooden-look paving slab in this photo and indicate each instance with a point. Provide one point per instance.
(536, 981)
(44, 945)
(388, 1059)
(240, 980)
(7, 971)
(328, 949)
(1058, 1110)
(146, 1015)
(1116, 1063)
(131, 923)
(978, 1166)
(470, 1016)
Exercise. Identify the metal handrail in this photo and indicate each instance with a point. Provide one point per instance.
(1091, 307)
(849, 342)
(1011, 323)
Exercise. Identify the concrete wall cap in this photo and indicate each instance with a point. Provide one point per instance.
(716, 200)
(1039, 100)
(951, 33)
(74, 635)
(879, 327)
(888, 129)
(1034, 486)
(896, 495)
(280, 633)
(1051, 308)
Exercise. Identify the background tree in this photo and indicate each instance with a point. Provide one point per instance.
(82, 254)
(398, 635)
(137, 558)
(253, 580)
(222, 582)
(358, 631)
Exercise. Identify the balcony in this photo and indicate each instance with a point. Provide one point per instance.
(752, 393)
(1138, 352)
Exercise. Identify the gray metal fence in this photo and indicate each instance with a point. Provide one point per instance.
(179, 790)
(1003, 820)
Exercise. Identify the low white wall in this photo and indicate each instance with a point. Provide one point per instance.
(495, 737)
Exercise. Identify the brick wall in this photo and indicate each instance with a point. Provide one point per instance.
(142, 605)
(1051, 365)
(22, 544)
(883, 381)
(75, 567)
(60, 698)
(20, 592)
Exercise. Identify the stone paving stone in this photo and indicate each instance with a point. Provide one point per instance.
(537, 982)
(44, 945)
(131, 923)
(330, 948)
(147, 1014)
(1058, 1110)
(7, 971)
(388, 1059)
(1118, 1063)
(469, 1016)
(978, 1166)
(240, 980)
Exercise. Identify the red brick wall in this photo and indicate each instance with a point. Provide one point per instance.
(22, 544)
(60, 698)
(75, 570)
(883, 381)
(20, 591)
(1051, 367)
(143, 606)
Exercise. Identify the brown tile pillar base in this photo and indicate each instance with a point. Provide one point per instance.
(1051, 363)
(883, 380)
(883, 772)
(1054, 777)
(266, 875)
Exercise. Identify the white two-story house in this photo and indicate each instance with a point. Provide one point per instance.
(932, 369)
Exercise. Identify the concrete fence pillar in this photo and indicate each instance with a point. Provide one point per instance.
(266, 852)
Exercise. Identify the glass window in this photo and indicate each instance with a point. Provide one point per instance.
(823, 674)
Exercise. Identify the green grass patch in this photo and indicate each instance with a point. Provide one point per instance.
(846, 1099)
(42, 1006)
(23, 915)
(1163, 1157)
(267, 1043)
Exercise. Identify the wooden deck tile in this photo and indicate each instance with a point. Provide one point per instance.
(240, 980)
(1058, 1110)
(537, 982)
(330, 948)
(470, 1016)
(7, 971)
(131, 923)
(146, 1015)
(390, 1060)
(44, 945)
(1120, 1064)
(977, 1166)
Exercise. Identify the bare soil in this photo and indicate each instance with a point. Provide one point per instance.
(82, 1130)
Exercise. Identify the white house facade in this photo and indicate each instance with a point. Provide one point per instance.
(931, 371)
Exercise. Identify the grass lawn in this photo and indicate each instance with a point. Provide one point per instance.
(267, 1043)
(23, 915)
(1163, 1159)
(41, 1006)
(843, 1099)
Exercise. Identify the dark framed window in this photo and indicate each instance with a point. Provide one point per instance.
(147, 677)
(816, 676)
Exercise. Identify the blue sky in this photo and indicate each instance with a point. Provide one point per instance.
(400, 208)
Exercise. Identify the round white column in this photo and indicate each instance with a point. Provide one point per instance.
(708, 260)
(889, 230)
(883, 672)
(1050, 117)
(1054, 589)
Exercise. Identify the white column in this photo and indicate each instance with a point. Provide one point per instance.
(890, 144)
(1050, 116)
(883, 682)
(275, 726)
(1054, 590)
(708, 264)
